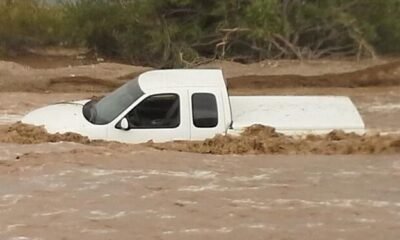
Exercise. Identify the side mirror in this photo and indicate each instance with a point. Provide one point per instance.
(123, 124)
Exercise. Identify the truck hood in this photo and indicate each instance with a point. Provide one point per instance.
(59, 118)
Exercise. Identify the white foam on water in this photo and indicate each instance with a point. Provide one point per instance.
(190, 174)
(11, 199)
(65, 172)
(167, 217)
(250, 203)
(24, 238)
(192, 230)
(315, 225)
(347, 174)
(345, 203)
(11, 228)
(14, 226)
(249, 178)
(47, 214)
(209, 187)
(9, 118)
(88, 187)
(387, 107)
(221, 230)
(243, 201)
(98, 231)
(224, 230)
(256, 226)
(365, 220)
(186, 202)
(214, 187)
(100, 215)
(145, 173)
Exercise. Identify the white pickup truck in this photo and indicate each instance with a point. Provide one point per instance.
(167, 105)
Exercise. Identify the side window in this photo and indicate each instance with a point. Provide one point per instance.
(157, 111)
(205, 110)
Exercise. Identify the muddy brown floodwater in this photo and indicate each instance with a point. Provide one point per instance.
(77, 189)
(70, 191)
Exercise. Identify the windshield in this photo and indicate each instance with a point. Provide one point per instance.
(108, 108)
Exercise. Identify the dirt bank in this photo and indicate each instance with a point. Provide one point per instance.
(382, 75)
(86, 78)
(265, 140)
(294, 67)
(104, 77)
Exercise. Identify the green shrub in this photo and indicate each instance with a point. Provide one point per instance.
(25, 23)
(179, 33)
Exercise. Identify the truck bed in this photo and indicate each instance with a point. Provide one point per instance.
(296, 114)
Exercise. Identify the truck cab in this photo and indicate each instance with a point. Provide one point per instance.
(171, 105)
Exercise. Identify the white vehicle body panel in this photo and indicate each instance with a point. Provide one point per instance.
(292, 115)
(65, 117)
(297, 114)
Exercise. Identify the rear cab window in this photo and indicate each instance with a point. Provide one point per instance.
(205, 110)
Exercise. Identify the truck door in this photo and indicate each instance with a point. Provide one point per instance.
(206, 114)
(158, 117)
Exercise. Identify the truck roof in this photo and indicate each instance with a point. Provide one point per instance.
(181, 78)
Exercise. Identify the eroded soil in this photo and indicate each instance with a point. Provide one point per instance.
(387, 74)
(256, 139)
(27, 134)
